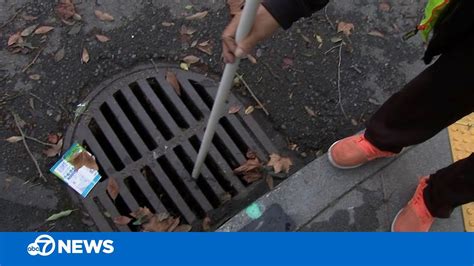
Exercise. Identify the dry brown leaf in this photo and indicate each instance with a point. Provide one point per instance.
(191, 59)
(252, 177)
(248, 166)
(384, 7)
(205, 47)
(234, 109)
(84, 159)
(14, 139)
(167, 24)
(34, 77)
(65, 9)
(310, 111)
(102, 38)
(29, 17)
(174, 224)
(29, 30)
(249, 110)
(345, 28)
(122, 220)
(43, 29)
(235, 6)
(103, 16)
(85, 56)
(376, 33)
(142, 215)
(251, 155)
(14, 38)
(155, 225)
(113, 188)
(59, 55)
(184, 228)
(280, 164)
(173, 81)
(206, 224)
(55, 150)
(199, 15)
(187, 31)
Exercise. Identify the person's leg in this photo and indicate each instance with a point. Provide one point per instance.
(438, 97)
(450, 187)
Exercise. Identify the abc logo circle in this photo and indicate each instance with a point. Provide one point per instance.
(44, 245)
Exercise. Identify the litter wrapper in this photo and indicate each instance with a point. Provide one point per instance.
(78, 169)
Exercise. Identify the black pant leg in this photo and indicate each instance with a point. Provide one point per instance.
(438, 97)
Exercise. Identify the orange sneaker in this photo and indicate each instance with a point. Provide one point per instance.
(353, 152)
(415, 217)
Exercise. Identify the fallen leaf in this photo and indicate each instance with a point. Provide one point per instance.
(184, 66)
(173, 81)
(29, 17)
(103, 16)
(205, 47)
(280, 164)
(187, 31)
(234, 109)
(155, 225)
(53, 138)
(345, 27)
(319, 39)
(55, 150)
(252, 177)
(376, 33)
(248, 166)
(59, 215)
(336, 39)
(206, 224)
(142, 215)
(85, 56)
(191, 59)
(14, 139)
(198, 15)
(84, 159)
(59, 55)
(35, 77)
(287, 63)
(174, 224)
(14, 38)
(310, 111)
(184, 228)
(102, 38)
(43, 30)
(113, 188)
(167, 24)
(249, 110)
(235, 6)
(122, 220)
(65, 9)
(251, 155)
(29, 30)
(384, 7)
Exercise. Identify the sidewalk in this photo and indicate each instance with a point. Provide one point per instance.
(322, 198)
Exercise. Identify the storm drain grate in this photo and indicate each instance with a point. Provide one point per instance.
(147, 136)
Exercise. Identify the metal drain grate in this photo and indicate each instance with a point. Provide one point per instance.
(147, 136)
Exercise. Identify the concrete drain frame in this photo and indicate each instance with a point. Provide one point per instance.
(147, 136)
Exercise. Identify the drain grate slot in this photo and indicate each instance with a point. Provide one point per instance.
(155, 117)
(136, 122)
(106, 146)
(180, 185)
(120, 132)
(147, 137)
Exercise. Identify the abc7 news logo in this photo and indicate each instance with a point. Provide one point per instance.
(44, 245)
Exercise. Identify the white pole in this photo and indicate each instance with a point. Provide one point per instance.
(245, 25)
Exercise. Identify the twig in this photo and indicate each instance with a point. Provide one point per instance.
(15, 116)
(32, 62)
(327, 18)
(44, 102)
(253, 94)
(271, 71)
(339, 81)
(40, 142)
(332, 49)
(12, 18)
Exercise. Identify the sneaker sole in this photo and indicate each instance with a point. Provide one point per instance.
(392, 228)
(333, 163)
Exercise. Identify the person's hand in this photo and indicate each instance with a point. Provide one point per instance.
(264, 26)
